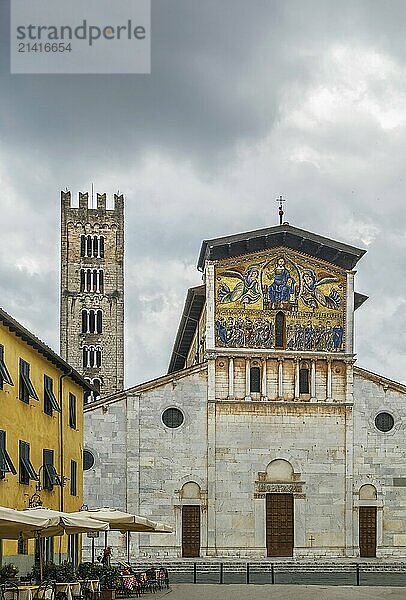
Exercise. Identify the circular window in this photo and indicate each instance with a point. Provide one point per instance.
(172, 417)
(384, 421)
(88, 460)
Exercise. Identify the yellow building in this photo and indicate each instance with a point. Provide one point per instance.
(41, 436)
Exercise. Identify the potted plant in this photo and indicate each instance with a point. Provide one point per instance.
(109, 580)
(60, 573)
(8, 572)
(89, 570)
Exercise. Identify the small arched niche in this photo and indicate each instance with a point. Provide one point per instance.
(191, 491)
(367, 492)
(279, 470)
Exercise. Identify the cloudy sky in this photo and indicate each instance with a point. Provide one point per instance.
(246, 101)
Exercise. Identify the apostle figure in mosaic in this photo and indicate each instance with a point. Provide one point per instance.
(221, 331)
(338, 332)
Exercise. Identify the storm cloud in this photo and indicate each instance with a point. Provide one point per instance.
(245, 101)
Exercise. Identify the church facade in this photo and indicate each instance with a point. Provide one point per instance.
(264, 439)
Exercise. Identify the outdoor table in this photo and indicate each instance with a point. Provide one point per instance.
(91, 584)
(71, 589)
(26, 592)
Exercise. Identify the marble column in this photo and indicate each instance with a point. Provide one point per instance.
(280, 378)
(247, 379)
(297, 379)
(329, 381)
(231, 378)
(264, 393)
(313, 382)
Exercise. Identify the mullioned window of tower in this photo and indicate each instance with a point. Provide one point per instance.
(92, 280)
(92, 246)
(91, 357)
(92, 321)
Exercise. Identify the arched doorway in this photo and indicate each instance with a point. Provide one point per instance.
(191, 520)
(367, 522)
(279, 511)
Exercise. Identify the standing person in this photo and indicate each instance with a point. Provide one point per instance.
(106, 556)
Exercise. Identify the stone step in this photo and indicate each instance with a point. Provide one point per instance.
(187, 566)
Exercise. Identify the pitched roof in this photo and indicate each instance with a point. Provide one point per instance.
(380, 379)
(192, 310)
(30, 339)
(145, 386)
(337, 253)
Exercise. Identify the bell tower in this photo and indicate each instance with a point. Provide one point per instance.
(92, 289)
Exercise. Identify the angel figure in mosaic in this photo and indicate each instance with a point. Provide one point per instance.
(312, 296)
(247, 290)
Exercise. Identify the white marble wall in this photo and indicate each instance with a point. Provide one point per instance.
(380, 459)
(333, 447)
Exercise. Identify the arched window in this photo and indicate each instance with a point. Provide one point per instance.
(101, 247)
(95, 280)
(82, 280)
(99, 321)
(89, 245)
(96, 383)
(304, 381)
(96, 246)
(98, 357)
(84, 357)
(255, 379)
(84, 321)
(280, 330)
(101, 281)
(93, 356)
(82, 245)
(91, 321)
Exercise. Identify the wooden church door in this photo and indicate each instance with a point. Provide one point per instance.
(367, 531)
(279, 524)
(190, 531)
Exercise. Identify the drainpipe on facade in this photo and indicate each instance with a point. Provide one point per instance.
(61, 504)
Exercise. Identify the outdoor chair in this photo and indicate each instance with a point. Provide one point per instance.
(121, 591)
(151, 583)
(9, 591)
(85, 592)
(163, 578)
(45, 590)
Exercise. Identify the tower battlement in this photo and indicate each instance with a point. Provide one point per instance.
(87, 203)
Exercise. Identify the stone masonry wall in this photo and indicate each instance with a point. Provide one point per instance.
(110, 224)
(380, 460)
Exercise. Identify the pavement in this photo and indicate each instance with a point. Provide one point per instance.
(185, 591)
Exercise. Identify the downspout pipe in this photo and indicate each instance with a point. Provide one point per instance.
(61, 454)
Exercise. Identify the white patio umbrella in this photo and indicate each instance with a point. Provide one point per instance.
(119, 520)
(60, 523)
(125, 522)
(63, 522)
(162, 528)
(14, 523)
